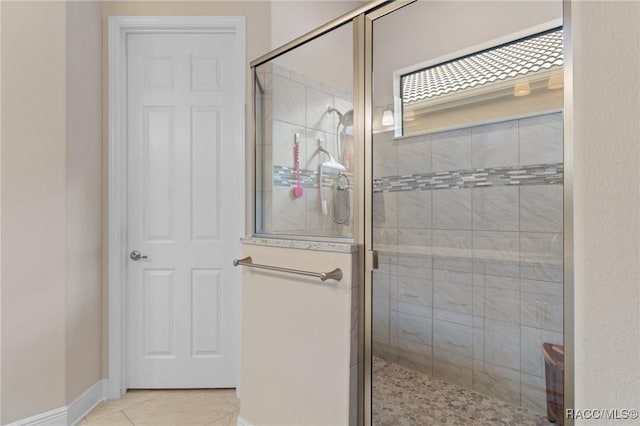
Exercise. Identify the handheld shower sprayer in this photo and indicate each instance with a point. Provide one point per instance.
(332, 163)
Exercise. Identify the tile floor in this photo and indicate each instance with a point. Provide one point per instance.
(193, 407)
(404, 397)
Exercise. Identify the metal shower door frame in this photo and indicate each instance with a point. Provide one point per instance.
(362, 19)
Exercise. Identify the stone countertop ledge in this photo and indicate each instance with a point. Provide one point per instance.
(331, 246)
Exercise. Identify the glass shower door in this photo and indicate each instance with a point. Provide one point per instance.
(467, 213)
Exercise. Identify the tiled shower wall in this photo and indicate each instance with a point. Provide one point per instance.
(292, 103)
(470, 282)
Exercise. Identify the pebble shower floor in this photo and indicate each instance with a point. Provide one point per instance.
(403, 397)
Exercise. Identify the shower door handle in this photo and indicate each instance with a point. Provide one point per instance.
(373, 259)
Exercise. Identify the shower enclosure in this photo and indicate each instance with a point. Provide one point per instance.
(430, 134)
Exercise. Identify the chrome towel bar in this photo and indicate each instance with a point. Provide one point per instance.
(336, 274)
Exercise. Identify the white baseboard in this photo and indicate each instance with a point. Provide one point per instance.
(243, 422)
(70, 414)
(83, 404)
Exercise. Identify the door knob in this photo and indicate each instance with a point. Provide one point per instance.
(135, 255)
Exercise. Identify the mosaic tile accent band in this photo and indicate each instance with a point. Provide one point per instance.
(286, 176)
(535, 174)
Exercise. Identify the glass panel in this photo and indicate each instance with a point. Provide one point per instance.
(467, 221)
(304, 139)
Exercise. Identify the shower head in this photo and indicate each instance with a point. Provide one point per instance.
(346, 119)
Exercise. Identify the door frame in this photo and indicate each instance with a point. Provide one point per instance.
(119, 28)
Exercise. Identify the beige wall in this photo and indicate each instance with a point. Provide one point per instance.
(606, 70)
(84, 212)
(329, 58)
(33, 207)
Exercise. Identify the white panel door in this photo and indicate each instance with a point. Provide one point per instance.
(183, 144)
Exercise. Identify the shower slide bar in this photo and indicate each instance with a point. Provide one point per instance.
(336, 274)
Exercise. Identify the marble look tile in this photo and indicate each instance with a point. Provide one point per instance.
(380, 284)
(317, 117)
(543, 308)
(414, 329)
(288, 213)
(274, 68)
(451, 150)
(422, 272)
(415, 356)
(503, 268)
(452, 209)
(417, 291)
(541, 208)
(264, 221)
(181, 407)
(419, 261)
(311, 157)
(385, 210)
(492, 246)
(410, 308)
(531, 360)
(453, 263)
(552, 337)
(495, 209)
(454, 277)
(495, 144)
(541, 256)
(386, 351)
(381, 319)
(414, 155)
(478, 340)
(452, 243)
(116, 419)
(265, 180)
(454, 338)
(498, 382)
(414, 209)
(385, 237)
(283, 143)
(453, 368)
(495, 281)
(343, 105)
(453, 317)
(384, 267)
(533, 393)
(541, 139)
(478, 301)
(289, 99)
(453, 297)
(316, 222)
(502, 344)
(385, 155)
(503, 305)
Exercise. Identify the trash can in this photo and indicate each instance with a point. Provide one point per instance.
(554, 374)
